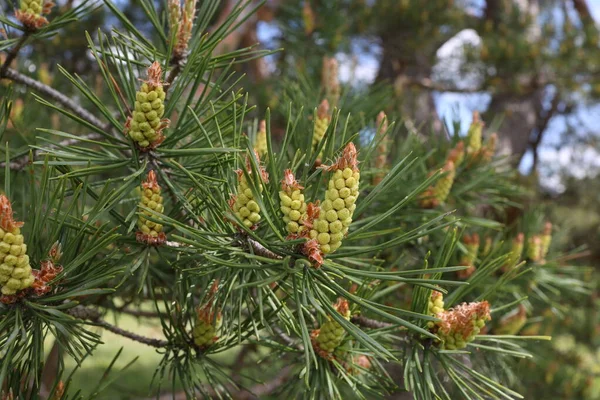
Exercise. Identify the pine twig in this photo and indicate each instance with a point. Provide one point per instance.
(158, 343)
(369, 323)
(13, 53)
(240, 360)
(94, 316)
(140, 313)
(177, 67)
(256, 392)
(264, 389)
(262, 251)
(54, 94)
(288, 340)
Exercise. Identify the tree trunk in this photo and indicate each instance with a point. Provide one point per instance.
(403, 67)
(519, 118)
(520, 113)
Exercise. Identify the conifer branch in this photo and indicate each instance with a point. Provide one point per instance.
(10, 57)
(261, 250)
(369, 323)
(54, 94)
(177, 67)
(256, 392)
(95, 317)
(158, 343)
(141, 313)
(264, 389)
(428, 84)
(288, 340)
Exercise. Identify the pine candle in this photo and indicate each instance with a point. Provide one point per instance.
(337, 210)
(459, 326)
(145, 126)
(15, 271)
(331, 334)
(151, 232)
(292, 203)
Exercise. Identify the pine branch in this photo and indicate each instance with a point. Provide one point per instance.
(428, 84)
(288, 340)
(54, 94)
(261, 250)
(369, 323)
(542, 125)
(13, 53)
(256, 392)
(264, 389)
(584, 12)
(240, 359)
(158, 343)
(177, 67)
(94, 316)
(50, 370)
(141, 313)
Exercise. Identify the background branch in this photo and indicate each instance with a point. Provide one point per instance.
(369, 323)
(95, 317)
(54, 94)
(12, 54)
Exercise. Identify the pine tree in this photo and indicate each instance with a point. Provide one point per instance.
(309, 255)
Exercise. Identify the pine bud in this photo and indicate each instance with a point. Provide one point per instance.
(59, 392)
(435, 305)
(358, 364)
(427, 200)
(457, 154)
(321, 124)
(474, 135)
(337, 209)
(174, 13)
(7, 395)
(55, 252)
(150, 232)
(516, 252)
(382, 147)
(471, 242)
(15, 271)
(30, 13)
(460, 325)
(185, 26)
(511, 323)
(48, 271)
(260, 142)
(534, 248)
(443, 186)
(331, 334)
(208, 321)
(145, 126)
(546, 239)
(308, 17)
(490, 148)
(330, 81)
(244, 205)
(292, 203)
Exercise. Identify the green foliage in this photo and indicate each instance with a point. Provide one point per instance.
(254, 286)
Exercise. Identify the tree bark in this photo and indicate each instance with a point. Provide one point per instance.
(403, 67)
(519, 118)
(519, 112)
